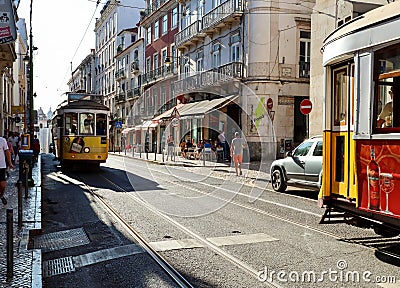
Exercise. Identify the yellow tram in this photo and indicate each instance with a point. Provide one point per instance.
(361, 156)
(79, 130)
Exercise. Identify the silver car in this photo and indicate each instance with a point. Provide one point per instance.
(302, 165)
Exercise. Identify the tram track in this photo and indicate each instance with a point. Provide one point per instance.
(367, 245)
(178, 278)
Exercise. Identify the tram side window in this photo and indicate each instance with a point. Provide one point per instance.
(101, 124)
(86, 123)
(387, 90)
(71, 123)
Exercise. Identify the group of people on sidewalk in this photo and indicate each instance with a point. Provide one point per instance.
(188, 149)
(11, 146)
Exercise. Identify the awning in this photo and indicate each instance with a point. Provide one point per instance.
(127, 130)
(199, 109)
(167, 114)
(148, 124)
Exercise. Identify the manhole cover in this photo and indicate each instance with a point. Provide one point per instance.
(58, 266)
(61, 240)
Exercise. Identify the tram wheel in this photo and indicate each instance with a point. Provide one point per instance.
(385, 232)
(278, 181)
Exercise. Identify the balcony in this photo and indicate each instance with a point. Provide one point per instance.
(188, 35)
(120, 97)
(228, 12)
(154, 75)
(120, 74)
(211, 78)
(304, 69)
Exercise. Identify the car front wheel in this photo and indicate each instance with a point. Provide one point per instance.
(278, 182)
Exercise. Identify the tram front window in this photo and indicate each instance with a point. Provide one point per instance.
(87, 123)
(101, 124)
(71, 123)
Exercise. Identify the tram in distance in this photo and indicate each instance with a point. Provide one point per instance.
(79, 130)
(361, 133)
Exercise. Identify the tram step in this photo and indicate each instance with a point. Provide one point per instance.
(332, 216)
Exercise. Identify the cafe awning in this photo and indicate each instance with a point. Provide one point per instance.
(199, 109)
(167, 114)
(127, 130)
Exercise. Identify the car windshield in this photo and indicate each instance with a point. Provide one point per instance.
(302, 149)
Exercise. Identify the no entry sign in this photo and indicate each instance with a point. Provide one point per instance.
(270, 103)
(305, 106)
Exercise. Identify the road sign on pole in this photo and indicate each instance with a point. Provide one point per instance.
(305, 106)
(270, 103)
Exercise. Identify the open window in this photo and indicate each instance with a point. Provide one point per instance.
(387, 79)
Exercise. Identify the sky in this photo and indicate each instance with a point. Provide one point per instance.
(58, 29)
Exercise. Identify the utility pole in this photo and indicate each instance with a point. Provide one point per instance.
(30, 90)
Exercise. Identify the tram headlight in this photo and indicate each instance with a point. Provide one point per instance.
(86, 149)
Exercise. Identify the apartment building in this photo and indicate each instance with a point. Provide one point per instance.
(160, 23)
(115, 16)
(129, 73)
(83, 77)
(251, 60)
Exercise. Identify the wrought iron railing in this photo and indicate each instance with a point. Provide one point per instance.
(222, 12)
(304, 69)
(212, 77)
(187, 33)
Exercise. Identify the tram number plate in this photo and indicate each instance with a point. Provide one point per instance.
(103, 140)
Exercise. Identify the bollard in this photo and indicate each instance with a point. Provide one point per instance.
(162, 152)
(155, 154)
(140, 152)
(204, 158)
(147, 154)
(19, 186)
(133, 151)
(10, 243)
(26, 181)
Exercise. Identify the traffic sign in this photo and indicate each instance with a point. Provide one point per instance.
(270, 103)
(305, 106)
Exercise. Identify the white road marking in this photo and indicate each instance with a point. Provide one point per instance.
(106, 254)
(217, 241)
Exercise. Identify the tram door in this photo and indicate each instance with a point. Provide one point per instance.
(342, 152)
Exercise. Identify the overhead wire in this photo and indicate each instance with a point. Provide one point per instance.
(80, 43)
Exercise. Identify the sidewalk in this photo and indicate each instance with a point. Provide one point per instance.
(27, 264)
(252, 171)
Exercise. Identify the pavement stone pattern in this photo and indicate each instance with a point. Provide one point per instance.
(26, 272)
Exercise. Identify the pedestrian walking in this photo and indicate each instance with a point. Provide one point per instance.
(3, 167)
(170, 147)
(36, 148)
(237, 152)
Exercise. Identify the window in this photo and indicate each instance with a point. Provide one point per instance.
(387, 86)
(235, 48)
(148, 65)
(318, 149)
(174, 17)
(199, 61)
(86, 123)
(165, 24)
(71, 123)
(303, 149)
(148, 39)
(340, 84)
(156, 29)
(200, 9)
(101, 121)
(304, 54)
(216, 55)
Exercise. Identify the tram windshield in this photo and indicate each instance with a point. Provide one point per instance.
(387, 67)
(71, 123)
(101, 121)
(86, 123)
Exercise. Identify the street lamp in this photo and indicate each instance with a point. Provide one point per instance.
(30, 84)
